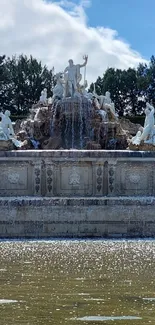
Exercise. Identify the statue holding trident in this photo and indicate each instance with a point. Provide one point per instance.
(72, 77)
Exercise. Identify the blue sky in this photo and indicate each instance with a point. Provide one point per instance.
(114, 33)
(134, 20)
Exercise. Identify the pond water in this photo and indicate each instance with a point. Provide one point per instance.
(77, 282)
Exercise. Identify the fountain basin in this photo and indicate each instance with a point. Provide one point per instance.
(77, 193)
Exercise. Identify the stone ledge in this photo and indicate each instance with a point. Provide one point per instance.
(122, 217)
(74, 154)
(78, 201)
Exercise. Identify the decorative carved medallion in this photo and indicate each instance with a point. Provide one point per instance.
(134, 178)
(13, 178)
(74, 177)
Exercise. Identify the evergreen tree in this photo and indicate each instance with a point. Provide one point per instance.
(26, 79)
(4, 83)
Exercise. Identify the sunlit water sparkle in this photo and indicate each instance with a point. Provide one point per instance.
(77, 282)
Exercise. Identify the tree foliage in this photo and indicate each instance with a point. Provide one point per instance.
(23, 78)
(21, 81)
(130, 89)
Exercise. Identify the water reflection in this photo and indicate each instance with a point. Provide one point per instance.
(106, 318)
(69, 282)
(7, 301)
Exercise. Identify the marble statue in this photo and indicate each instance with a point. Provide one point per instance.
(3, 136)
(146, 133)
(58, 90)
(49, 101)
(43, 97)
(73, 77)
(6, 124)
(100, 98)
(6, 129)
(106, 104)
(82, 90)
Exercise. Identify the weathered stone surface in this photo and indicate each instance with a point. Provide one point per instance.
(142, 147)
(127, 125)
(92, 145)
(52, 143)
(77, 122)
(6, 145)
(45, 193)
(81, 172)
(77, 217)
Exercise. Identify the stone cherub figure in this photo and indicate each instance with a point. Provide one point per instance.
(73, 77)
(6, 129)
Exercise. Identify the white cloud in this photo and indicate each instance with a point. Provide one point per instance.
(57, 31)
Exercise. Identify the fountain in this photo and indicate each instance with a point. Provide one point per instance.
(73, 118)
(65, 170)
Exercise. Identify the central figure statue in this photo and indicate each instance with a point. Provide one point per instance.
(72, 77)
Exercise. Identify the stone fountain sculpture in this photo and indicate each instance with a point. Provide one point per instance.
(58, 90)
(72, 117)
(72, 77)
(7, 134)
(106, 106)
(43, 97)
(145, 135)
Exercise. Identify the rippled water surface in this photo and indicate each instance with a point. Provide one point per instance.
(77, 282)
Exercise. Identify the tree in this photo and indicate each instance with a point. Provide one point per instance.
(123, 86)
(4, 83)
(150, 81)
(26, 78)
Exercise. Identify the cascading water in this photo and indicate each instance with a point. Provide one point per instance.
(74, 115)
(53, 118)
(73, 127)
(87, 116)
(81, 125)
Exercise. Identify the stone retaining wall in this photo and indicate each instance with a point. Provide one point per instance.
(72, 193)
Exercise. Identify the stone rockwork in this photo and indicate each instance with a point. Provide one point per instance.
(71, 123)
(128, 126)
(6, 145)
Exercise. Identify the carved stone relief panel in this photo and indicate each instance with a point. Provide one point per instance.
(37, 179)
(49, 179)
(111, 178)
(14, 178)
(134, 178)
(74, 179)
(99, 170)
